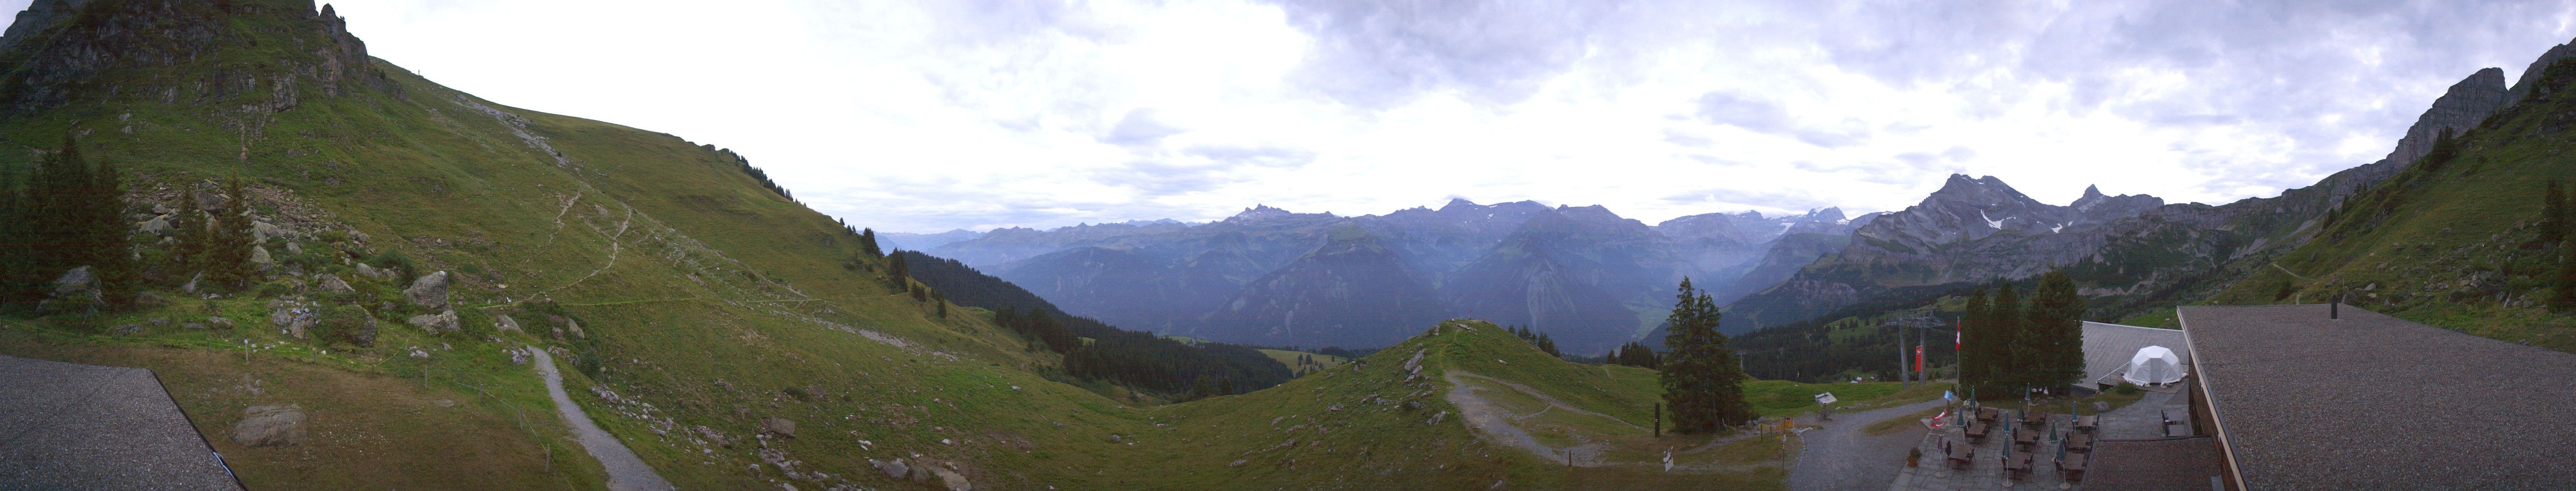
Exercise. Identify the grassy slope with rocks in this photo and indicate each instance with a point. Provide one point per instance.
(704, 303)
(2452, 243)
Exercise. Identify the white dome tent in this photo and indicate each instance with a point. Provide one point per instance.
(2153, 365)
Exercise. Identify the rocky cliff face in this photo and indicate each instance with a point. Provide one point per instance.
(116, 54)
(2463, 107)
(40, 14)
(2522, 86)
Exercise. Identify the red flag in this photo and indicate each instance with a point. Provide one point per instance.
(1957, 334)
(1918, 358)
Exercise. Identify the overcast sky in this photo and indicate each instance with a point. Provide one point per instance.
(930, 115)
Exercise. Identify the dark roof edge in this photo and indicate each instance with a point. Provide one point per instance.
(2217, 423)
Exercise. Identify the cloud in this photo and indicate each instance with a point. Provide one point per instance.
(1378, 53)
(926, 115)
(1140, 127)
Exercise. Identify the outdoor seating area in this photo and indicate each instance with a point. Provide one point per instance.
(2029, 447)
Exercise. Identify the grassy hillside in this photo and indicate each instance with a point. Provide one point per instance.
(2454, 240)
(692, 302)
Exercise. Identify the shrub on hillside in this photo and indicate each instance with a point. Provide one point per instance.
(2126, 388)
(347, 323)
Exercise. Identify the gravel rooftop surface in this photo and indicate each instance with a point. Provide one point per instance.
(78, 427)
(2376, 402)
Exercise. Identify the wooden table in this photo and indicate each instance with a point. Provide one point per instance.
(1977, 431)
(2033, 418)
(1988, 414)
(2079, 443)
(2017, 466)
(2072, 467)
(2088, 423)
(1961, 456)
(2025, 440)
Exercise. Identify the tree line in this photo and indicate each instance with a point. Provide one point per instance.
(1094, 350)
(2008, 344)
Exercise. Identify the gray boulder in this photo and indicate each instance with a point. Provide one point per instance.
(954, 481)
(259, 257)
(372, 272)
(156, 226)
(778, 426)
(294, 248)
(191, 287)
(126, 330)
(892, 468)
(428, 291)
(260, 232)
(575, 327)
(219, 322)
(507, 324)
(442, 322)
(268, 426)
(77, 281)
(333, 284)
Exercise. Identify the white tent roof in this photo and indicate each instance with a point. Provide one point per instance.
(2153, 365)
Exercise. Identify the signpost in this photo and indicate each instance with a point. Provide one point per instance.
(1823, 405)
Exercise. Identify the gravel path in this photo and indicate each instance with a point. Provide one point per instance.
(1843, 456)
(625, 471)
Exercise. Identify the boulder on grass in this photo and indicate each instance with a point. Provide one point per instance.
(269, 426)
(428, 291)
(442, 322)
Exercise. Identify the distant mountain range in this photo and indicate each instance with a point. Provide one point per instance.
(1587, 276)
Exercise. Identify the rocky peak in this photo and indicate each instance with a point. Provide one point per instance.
(1456, 204)
(2464, 106)
(2521, 86)
(1260, 212)
(40, 14)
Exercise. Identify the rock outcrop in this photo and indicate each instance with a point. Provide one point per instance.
(2464, 106)
(333, 283)
(428, 291)
(442, 322)
(2521, 85)
(270, 426)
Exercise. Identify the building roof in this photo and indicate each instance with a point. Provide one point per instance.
(74, 426)
(2172, 464)
(2376, 402)
(2108, 347)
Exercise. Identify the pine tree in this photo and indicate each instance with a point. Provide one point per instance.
(2553, 214)
(868, 243)
(2563, 298)
(2008, 327)
(2056, 329)
(13, 237)
(1702, 383)
(188, 233)
(228, 253)
(1978, 365)
(110, 250)
(897, 274)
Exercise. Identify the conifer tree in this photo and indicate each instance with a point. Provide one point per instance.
(2553, 214)
(2006, 324)
(13, 237)
(188, 233)
(1977, 363)
(2056, 328)
(868, 243)
(228, 253)
(897, 274)
(110, 251)
(2563, 297)
(1702, 383)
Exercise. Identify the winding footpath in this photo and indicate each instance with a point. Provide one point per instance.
(1842, 455)
(625, 471)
